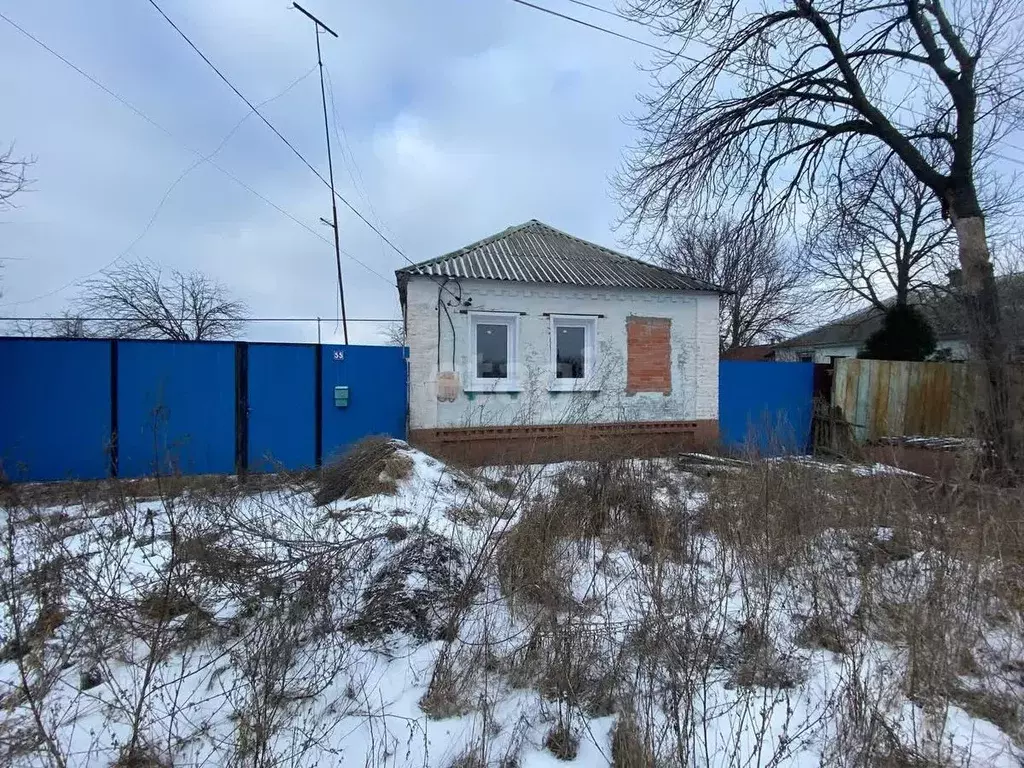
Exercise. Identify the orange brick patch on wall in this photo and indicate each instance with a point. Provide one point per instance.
(648, 355)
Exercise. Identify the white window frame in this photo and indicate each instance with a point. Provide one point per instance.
(590, 363)
(511, 382)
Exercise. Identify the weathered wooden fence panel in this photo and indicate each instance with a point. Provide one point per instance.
(886, 398)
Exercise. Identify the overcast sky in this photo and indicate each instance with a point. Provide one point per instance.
(457, 118)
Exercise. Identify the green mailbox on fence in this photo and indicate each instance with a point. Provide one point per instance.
(341, 397)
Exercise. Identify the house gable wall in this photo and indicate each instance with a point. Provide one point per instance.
(693, 363)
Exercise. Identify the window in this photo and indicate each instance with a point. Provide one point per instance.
(573, 352)
(493, 346)
(491, 351)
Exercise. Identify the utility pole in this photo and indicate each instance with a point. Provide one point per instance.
(317, 26)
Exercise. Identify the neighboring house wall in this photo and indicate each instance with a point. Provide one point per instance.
(824, 354)
(690, 319)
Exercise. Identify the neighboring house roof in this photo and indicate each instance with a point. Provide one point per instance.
(537, 253)
(943, 309)
(755, 352)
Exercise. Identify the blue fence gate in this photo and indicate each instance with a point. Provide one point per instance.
(765, 407)
(94, 408)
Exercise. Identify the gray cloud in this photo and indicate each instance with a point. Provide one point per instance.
(459, 119)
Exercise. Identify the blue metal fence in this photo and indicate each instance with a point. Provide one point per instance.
(218, 407)
(282, 406)
(55, 408)
(765, 407)
(374, 406)
(194, 408)
(175, 407)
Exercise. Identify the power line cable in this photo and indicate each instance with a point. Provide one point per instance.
(694, 60)
(610, 12)
(201, 158)
(341, 137)
(657, 30)
(298, 154)
(281, 136)
(240, 320)
(599, 28)
(163, 199)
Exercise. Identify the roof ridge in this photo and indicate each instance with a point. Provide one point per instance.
(626, 256)
(472, 246)
(589, 260)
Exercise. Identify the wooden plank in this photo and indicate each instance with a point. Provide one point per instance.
(913, 407)
(897, 397)
(849, 403)
(879, 405)
(839, 377)
(945, 399)
(927, 395)
(862, 415)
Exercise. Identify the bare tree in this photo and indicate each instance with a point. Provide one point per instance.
(394, 334)
(880, 237)
(12, 179)
(787, 96)
(67, 325)
(139, 300)
(12, 176)
(747, 259)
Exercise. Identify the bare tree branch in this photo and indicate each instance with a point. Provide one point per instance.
(791, 97)
(12, 176)
(138, 300)
(394, 334)
(881, 237)
(749, 260)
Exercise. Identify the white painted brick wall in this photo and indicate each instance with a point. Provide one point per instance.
(694, 392)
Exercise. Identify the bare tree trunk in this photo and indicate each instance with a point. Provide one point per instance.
(988, 346)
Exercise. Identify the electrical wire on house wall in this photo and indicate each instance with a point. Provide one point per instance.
(444, 305)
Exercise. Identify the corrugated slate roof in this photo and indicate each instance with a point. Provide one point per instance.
(537, 253)
(944, 312)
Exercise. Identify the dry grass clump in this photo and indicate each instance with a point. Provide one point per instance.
(139, 756)
(162, 605)
(616, 502)
(471, 758)
(531, 556)
(756, 661)
(562, 742)
(629, 748)
(575, 665)
(372, 466)
(413, 591)
(448, 694)
(621, 499)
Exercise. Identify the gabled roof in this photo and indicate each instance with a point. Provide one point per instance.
(752, 352)
(537, 253)
(943, 309)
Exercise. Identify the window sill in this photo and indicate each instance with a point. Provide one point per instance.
(573, 385)
(493, 385)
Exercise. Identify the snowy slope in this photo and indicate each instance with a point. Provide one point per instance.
(224, 626)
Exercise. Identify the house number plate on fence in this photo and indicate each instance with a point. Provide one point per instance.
(339, 355)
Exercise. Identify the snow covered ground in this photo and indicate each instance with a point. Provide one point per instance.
(528, 616)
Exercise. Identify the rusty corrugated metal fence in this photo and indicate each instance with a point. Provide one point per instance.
(884, 398)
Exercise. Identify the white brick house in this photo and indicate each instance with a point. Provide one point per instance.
(537, 343)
